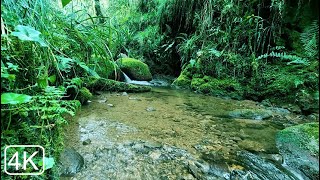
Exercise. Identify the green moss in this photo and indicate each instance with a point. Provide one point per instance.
(220, 87)
(182, 81)
(103, 84)
(188, 71)
(303, 136)
(196, 82)
(84, 95)
(135, 69)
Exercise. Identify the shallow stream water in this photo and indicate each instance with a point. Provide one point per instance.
(175, 134)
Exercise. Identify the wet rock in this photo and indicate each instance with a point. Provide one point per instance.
(313, 117)
(299, 146)
(110, 105)
(213, 157)
(260, 169)
(152, 145)
(194, 170)
(293, 108)
(150, 109)
(266, 102)
(256, 114)
(282, 111)
(86, 142)
(70, 162)
(187, 177)
(124, 94)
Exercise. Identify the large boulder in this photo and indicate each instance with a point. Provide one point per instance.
(135, 69)
(299, 146)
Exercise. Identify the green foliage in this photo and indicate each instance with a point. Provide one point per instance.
(84, 95)
(14, 98)
(27, 33)
(293, 58)
(310, 40)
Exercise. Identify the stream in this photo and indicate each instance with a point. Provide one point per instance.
(176, 134)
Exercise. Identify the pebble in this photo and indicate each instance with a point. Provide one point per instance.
(110, 105)
(102, 100)
(149, 109)
(155, 155)
(86, 142)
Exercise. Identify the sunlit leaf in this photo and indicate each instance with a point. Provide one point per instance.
(13, 98)
(28, 33)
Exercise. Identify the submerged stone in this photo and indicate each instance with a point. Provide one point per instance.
(70, 162)
(256, 114)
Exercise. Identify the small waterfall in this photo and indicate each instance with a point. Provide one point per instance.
(126, 78)
(144, 83)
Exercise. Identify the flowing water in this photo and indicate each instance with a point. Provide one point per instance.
(175, 134)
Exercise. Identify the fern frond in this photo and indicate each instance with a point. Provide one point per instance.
(310, 39)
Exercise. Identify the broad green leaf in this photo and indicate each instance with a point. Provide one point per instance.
(28, 33)
(13, 98)
(65, 2)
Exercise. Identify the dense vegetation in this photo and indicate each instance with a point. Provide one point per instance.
(51, 55)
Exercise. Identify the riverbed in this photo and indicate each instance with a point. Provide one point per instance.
(176, 134)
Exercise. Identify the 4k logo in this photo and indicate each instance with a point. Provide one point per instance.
(23, 163)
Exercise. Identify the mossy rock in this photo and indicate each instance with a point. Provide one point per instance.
(103, 84)
(217, 87)
(135, 69)
(84, 95)
(182, 81)
(299, 145)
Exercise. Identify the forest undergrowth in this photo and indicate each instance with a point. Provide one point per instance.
(257, 49)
